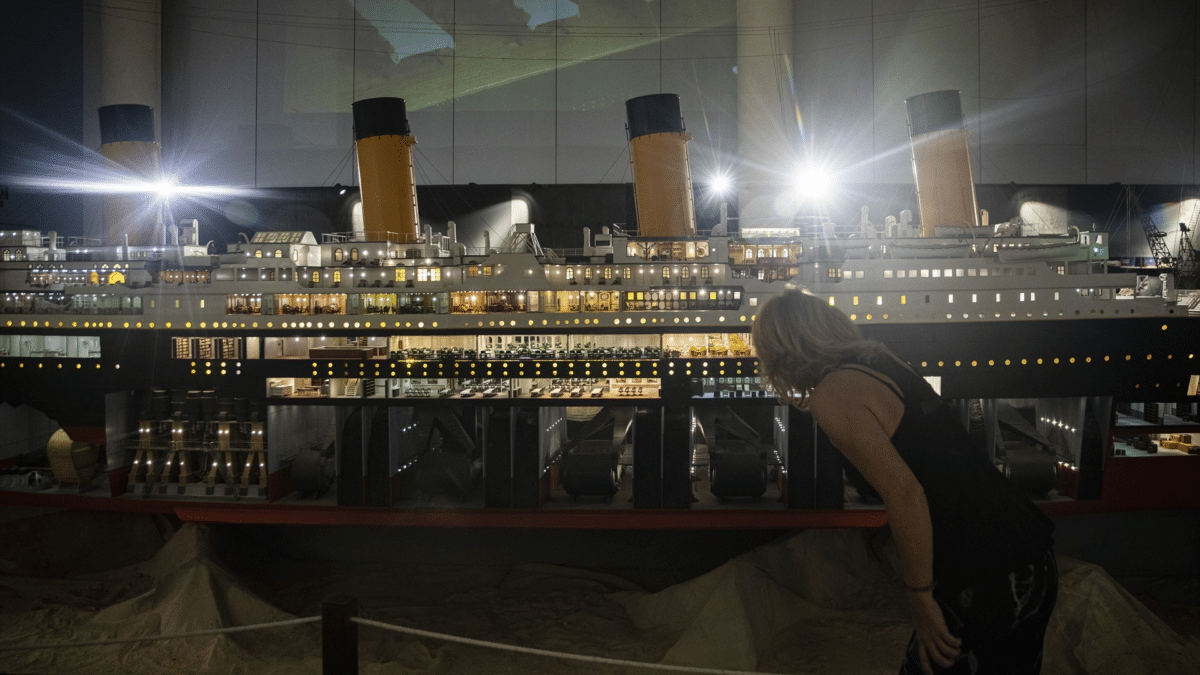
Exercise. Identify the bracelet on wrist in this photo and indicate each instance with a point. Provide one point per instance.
(920, 589)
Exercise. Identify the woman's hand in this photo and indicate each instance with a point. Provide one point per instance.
(935, 642)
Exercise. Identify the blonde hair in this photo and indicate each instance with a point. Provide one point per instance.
(800, 339)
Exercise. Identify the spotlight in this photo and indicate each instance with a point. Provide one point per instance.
(812, 182)
(165, 187)
(720, 184)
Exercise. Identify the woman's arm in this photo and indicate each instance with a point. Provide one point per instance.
(850, 408)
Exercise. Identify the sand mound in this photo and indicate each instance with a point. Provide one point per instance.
(822, 601)
(829, 601)
(180, 589)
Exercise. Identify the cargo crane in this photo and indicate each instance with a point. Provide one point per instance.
(1187, 274)
(1182, 265)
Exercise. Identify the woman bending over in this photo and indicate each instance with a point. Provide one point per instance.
(976, 554)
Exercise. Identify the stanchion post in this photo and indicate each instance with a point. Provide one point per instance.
(339, 636)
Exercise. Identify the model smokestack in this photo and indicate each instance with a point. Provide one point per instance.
(385, 168)
(662, 180)
(127, 138)
(941, 162)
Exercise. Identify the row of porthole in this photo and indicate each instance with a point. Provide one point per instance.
(1056, 360)
(347, 324)
(78, 366)
(86, 324)
(587, 322)
(1012, 315)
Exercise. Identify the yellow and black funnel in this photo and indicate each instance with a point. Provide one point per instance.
(662, 179)
(385, 168)
(127, 138)
(941, 161)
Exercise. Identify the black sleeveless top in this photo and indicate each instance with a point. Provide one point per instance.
(982, 525)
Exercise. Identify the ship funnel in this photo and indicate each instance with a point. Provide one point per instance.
(941, 162)
(127, 138)
(385, 169)
(662, 181)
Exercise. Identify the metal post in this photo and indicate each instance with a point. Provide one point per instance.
(339, 636)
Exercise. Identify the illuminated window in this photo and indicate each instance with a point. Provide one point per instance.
(887, 274)
(587, 274)
(972, 272)
(833, 273)
(900, 274)
(201, 304)
(687, 272)
(570, 274)
(1032, 297)
(354, 254)
(854, 300)
(974, 297)
(1056, 295)
(858, 274)
(904, 299)
(7, 255)
(666, 272)
(337, 276)
(487, 270)
(704, 272)
(924, 274)
(879, 300)
(607, 272)
(950, 298)
(337, 255)
(846, 274)
(258, 253)
(627, 273)
(936, 273)
(401, 273)
(278, 253)
(831, 301)
(316, 277)
(997, 297)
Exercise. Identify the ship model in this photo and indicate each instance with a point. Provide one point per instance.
(399, 368)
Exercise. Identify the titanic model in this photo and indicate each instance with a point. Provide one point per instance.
(296, 374)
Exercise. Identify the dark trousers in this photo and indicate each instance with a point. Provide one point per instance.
(1001, 622)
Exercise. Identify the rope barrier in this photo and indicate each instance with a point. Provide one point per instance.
(171, 636)
(546, 652)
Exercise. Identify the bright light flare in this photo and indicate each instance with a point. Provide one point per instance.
(720, 184)
(812, 182)
(164, 188)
